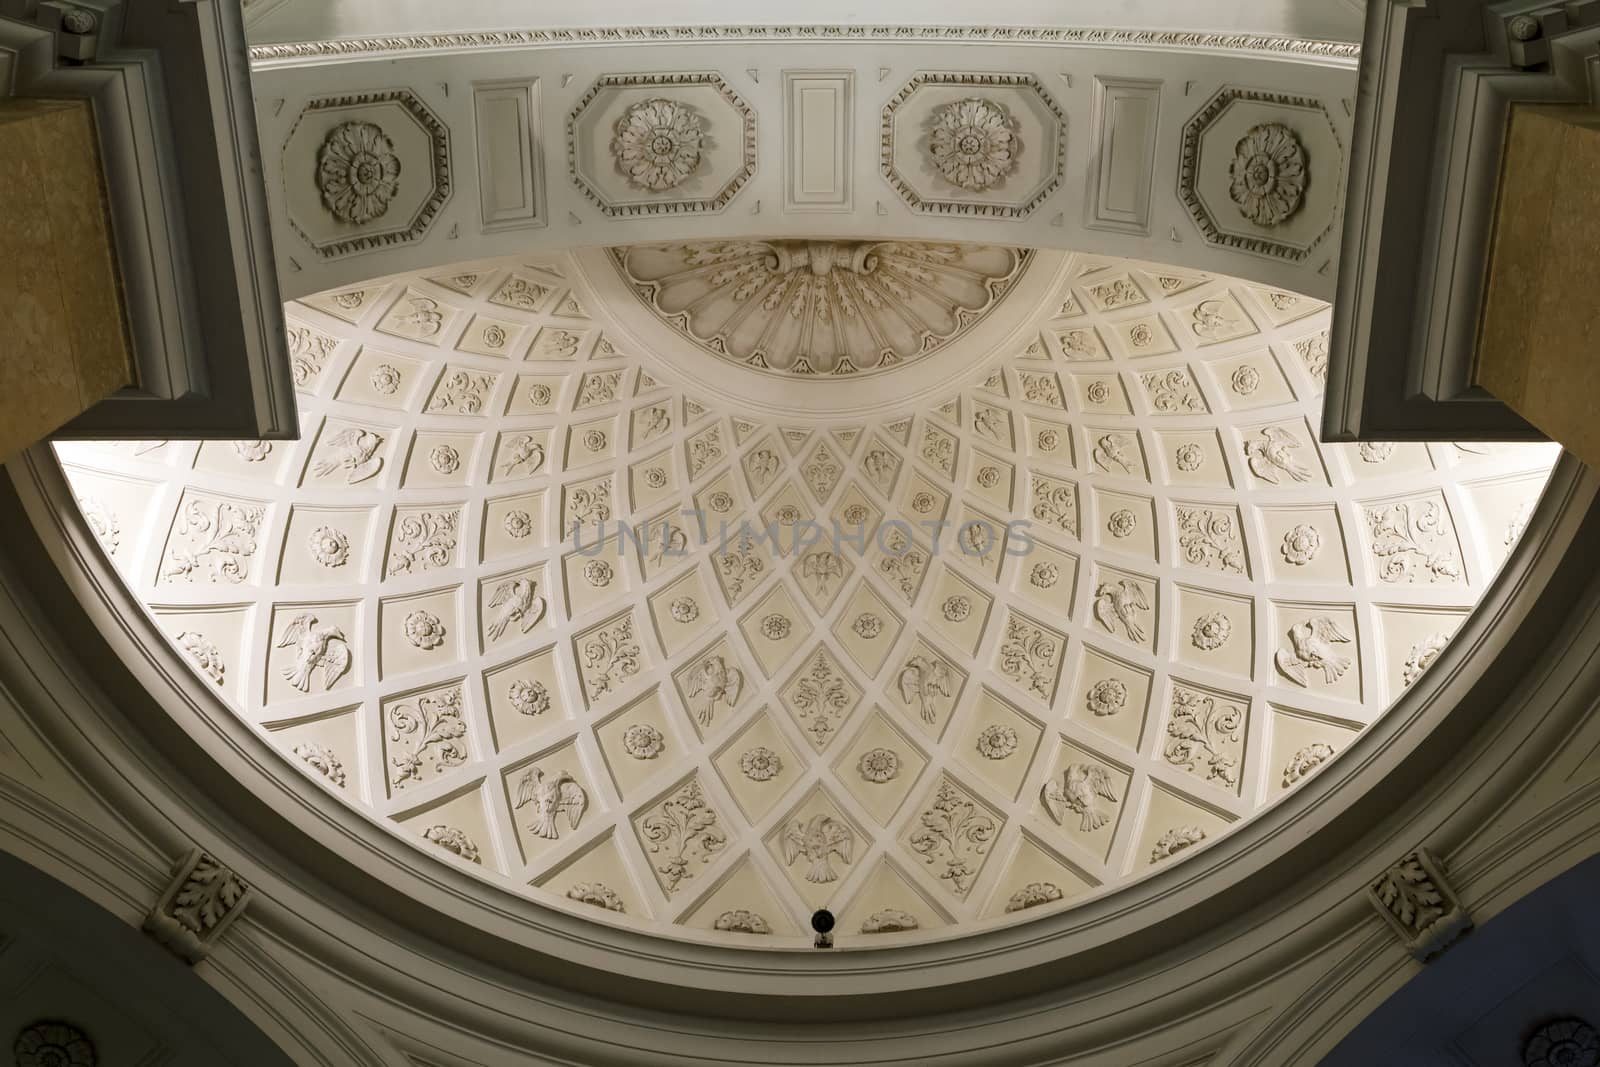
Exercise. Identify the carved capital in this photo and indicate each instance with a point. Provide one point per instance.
(1419, 905)
(201, 902)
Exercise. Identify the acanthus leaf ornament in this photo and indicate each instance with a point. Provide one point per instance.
(684, 832)
(1175, 841)
(321, 759)
(201, 901)
(1268, 175)
(1204, 727)
(1033, 895)
(430, 725)
(1306, 760)
(358, 173)
(550, 795)
(453, 839)
(741, 921)
(1419, 905)
(204, 654)
(973, 143)
(596, 894)
(889, 921)
(219, 533)
(955, 833)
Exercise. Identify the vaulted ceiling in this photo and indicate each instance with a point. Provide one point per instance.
(1097, 595)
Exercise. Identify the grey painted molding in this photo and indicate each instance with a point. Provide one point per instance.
(170, 86)
(1438, 78)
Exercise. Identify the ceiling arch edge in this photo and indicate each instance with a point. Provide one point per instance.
(1423, 732)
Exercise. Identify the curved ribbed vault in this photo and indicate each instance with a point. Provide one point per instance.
(1098, 603)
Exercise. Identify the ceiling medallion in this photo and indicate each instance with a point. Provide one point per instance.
(820, 307)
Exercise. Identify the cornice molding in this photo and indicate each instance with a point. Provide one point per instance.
(1338, 52)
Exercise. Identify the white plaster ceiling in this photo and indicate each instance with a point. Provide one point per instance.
(310, 20)
(1199, 604)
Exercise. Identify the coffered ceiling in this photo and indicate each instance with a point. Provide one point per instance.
(1054, 597)
(1204, 148)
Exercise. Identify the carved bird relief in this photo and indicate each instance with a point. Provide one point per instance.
(1274, 454)
(551, 795)
(1312, 649)
(522, 451)
(516, 601)
(715, 682)
(354, 451)
(1115, 605)
(922, 679)
(1080, 784)
(817, 839)
(1108, 453)
(315, 646)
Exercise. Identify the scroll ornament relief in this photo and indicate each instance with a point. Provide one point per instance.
(820, 698)
(308, 353)
(973, 143)
(1203, 728)
(818, 840)
(549, 796)
(423, 540)
(358, 172)
(683, 832)
(610, 655)
(217, 533)
(953, 833)
(1079, 790)
(1268, 174)
(1412, 541)
(657, 144)
(1028, 657)
(1210, 538)
(1422, 655)
(430, 725)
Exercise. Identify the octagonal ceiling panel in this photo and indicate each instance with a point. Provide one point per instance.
(540, 605)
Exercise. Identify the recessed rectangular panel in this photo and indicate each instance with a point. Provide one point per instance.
(817, 140)
(1126, 121)
(509, 180)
